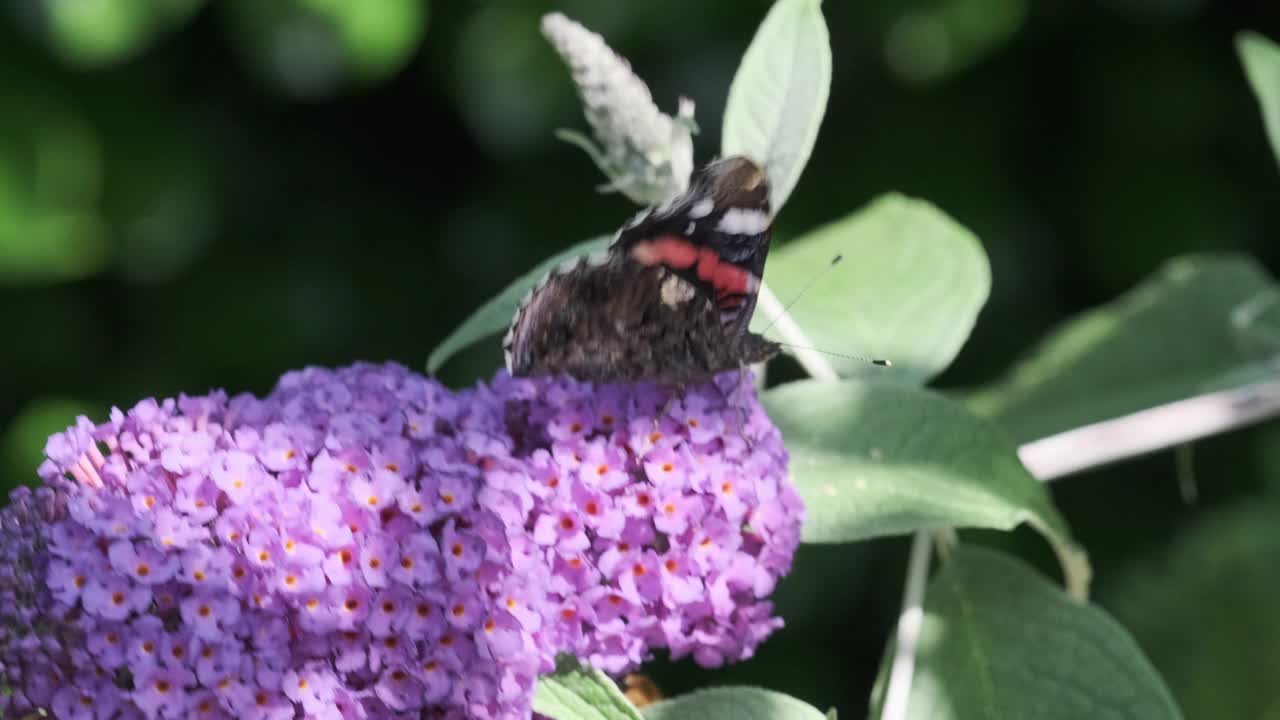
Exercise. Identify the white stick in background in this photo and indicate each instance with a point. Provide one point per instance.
(1149, 430)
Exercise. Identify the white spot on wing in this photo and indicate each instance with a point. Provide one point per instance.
(743, 221)
(701, 209)
(676, 290)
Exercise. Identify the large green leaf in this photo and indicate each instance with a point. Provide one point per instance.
(999, 642)
(1261, 59)
(1170, 338)
(908, 288)
(1204, 609)
(579, 692)
(873, 459)
(732, 703)
(494, 315)
(779, 94)
(1256, 324)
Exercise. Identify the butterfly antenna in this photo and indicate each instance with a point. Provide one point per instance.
(862, 358)
(834, 261)
(823, 273)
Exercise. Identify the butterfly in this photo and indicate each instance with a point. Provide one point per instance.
(669, 301)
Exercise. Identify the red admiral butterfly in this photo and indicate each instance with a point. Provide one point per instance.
(670, 300)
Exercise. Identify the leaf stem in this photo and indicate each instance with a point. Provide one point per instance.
(1150, 430)
(945, 541)
(908, 634)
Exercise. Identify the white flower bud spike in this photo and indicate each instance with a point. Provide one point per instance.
(646, 154)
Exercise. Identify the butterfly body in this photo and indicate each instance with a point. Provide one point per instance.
(671, 299)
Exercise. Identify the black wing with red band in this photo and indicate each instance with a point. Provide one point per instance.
(670, 300)
(715, 235)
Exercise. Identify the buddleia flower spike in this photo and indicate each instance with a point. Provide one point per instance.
(646, 154)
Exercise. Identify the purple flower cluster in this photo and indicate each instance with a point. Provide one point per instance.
(364, 543)
(662, 529)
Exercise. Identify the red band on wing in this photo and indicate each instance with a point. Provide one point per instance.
(708, 260)
(730, 282)
(730, 279)
(667, 250)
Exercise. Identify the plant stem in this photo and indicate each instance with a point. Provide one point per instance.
(811, 360)
(1149, 430)
(907, 639)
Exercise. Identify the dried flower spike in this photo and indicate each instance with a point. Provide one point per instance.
(646, 154)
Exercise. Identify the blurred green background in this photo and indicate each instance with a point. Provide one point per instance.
(198, 195)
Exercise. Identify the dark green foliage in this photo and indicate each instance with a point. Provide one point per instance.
(179, 210)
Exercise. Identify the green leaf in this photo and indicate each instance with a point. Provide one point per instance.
(1000, 642)
(733, 703)
(1210, 625)
(1257, 321)
(1256, 324)
(495, 315)
(874, 459)
(1170, 338)
(908, 288)
(579, 692)
(1261, 59)
(779, 94)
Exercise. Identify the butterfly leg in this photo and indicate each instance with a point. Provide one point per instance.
(675, 391)
(739, 401)
(734, 397)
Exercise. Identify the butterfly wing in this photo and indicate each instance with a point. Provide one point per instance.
(715, 235)
(669, 301)
(615, 320)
